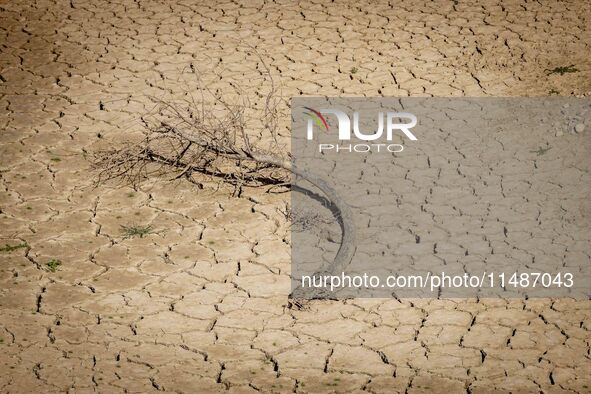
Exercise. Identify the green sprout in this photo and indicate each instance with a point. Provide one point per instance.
(562, 70)
(10, 248)
(53, 265)
(541, 150)
(135, 231)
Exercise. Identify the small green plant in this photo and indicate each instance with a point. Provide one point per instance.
(53, 265)
(56, 159)
(131, 194)
(553, 92)
(562, 70)
(541, 150)
(135, 231)
(10, 248)
(354, 70)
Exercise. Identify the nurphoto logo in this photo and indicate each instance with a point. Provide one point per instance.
(391, 119)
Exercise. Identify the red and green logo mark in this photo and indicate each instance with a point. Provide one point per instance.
(317, 118)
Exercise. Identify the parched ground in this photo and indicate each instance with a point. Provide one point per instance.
(200, 304)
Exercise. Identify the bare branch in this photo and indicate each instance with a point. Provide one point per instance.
(208, 135)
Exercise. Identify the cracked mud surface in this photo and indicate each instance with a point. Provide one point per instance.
(200, 304)
(477, 193)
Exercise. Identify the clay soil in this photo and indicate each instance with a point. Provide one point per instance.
(199, 303)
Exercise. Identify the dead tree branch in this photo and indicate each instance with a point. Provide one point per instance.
(213, 136)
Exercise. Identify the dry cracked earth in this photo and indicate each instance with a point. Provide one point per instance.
(199, 303)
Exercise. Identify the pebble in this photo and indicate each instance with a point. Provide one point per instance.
(559, 133)
(580, 128)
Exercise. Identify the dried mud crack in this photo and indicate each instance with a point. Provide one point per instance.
(199, 302)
